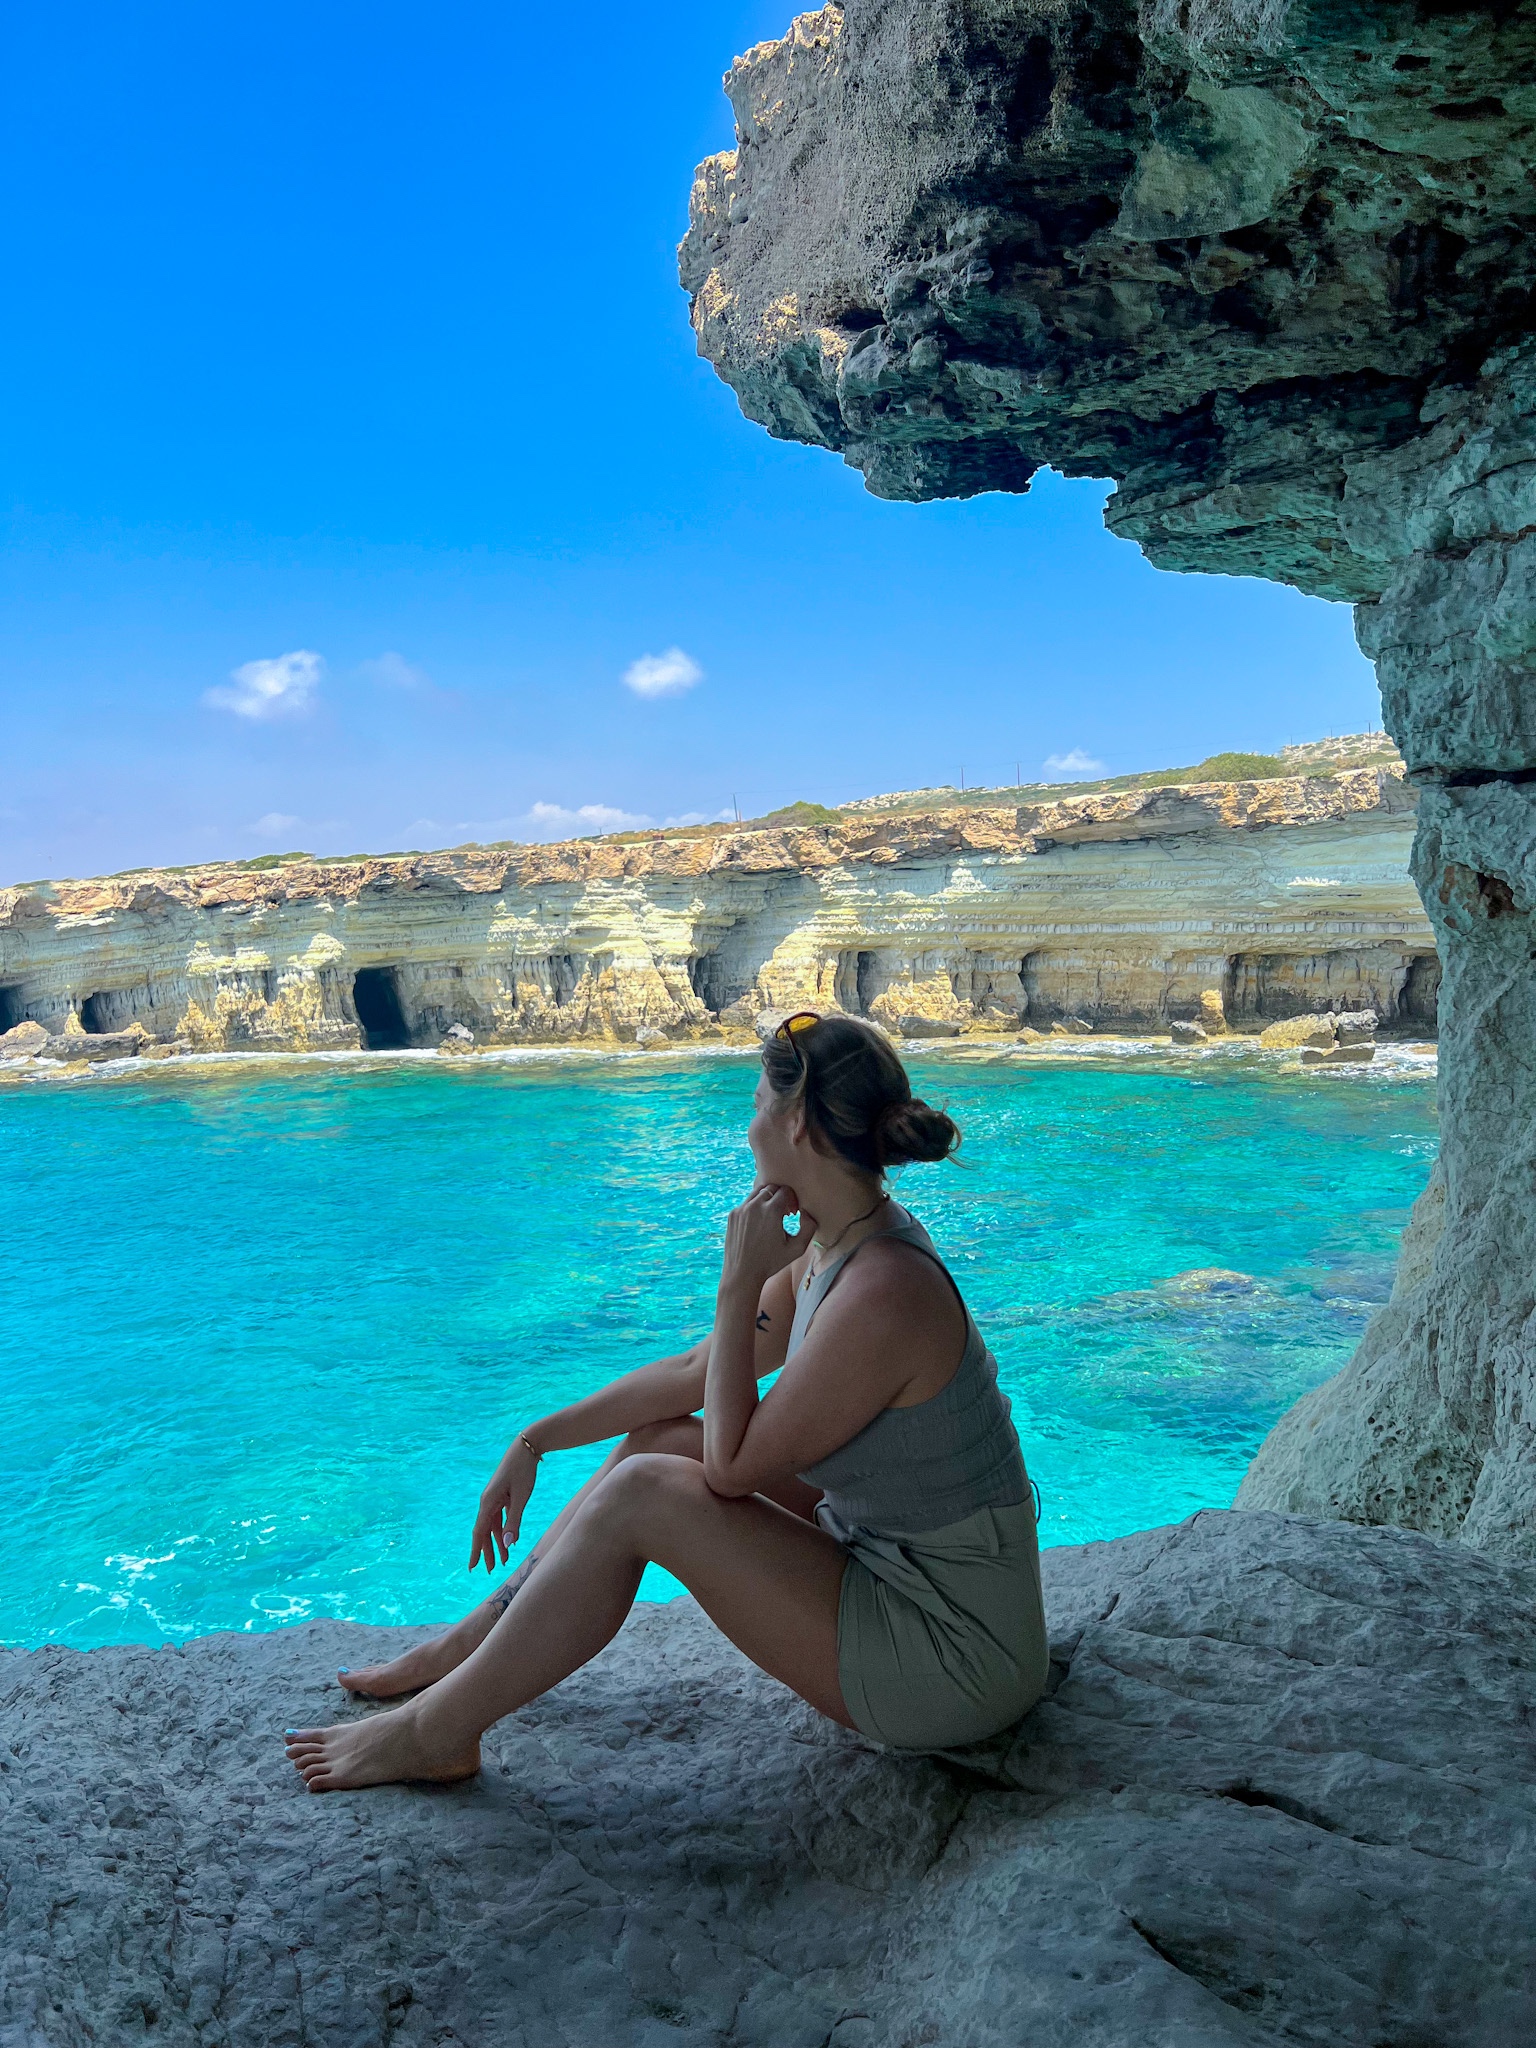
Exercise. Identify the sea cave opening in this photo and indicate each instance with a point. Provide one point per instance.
(1420, 1001)
(866, 971)
(706, 975)
(13, 1007)
(96, 1012)
(376, 998)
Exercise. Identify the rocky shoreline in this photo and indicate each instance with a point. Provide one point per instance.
(73, 1058)
(1117, 910)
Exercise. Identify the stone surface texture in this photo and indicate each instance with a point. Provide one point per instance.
(1120, 906)
(1283, 1791)
(1269, 266)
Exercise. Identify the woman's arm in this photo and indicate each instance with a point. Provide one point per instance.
(654, 1393)
(757, 1290)
(658, 1392)
(669, 1387)
(891, 1325)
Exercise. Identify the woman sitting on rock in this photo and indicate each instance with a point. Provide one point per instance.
(863, 1531)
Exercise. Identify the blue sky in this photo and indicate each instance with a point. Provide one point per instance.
(352, 335)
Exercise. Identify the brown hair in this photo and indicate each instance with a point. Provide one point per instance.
(856, 1094)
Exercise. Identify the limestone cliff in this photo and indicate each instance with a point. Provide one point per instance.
(1120, 906)
(1271, 266)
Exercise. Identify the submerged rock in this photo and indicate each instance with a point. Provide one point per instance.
(1281, 1791)
(1212, 1280)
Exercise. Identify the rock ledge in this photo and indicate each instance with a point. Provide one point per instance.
(1284, 1790)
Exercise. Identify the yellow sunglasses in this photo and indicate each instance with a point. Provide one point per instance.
(802, 1020)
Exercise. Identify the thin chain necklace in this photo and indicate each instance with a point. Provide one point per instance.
(817, 1244)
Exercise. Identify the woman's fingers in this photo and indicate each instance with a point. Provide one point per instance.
(482, 1539)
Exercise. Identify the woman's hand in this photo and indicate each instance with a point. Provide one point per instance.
(756, 1244)
(501, 1506)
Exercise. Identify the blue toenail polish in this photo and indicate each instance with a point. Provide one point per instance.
(290, 1731)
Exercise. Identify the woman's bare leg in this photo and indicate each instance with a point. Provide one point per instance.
(768, 1579)
(423, 1666)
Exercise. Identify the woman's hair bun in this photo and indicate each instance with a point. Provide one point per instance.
(855, 1092)
(914, 1130)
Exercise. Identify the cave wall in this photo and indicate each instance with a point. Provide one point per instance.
(1271, 267)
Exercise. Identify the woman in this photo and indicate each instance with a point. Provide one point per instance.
(863, 1531)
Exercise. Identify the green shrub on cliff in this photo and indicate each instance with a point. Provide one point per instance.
(1220, 768)
(801, 813)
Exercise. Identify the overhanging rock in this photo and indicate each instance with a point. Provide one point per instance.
(1272, 268)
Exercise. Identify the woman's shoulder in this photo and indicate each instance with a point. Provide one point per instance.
(898, 1271)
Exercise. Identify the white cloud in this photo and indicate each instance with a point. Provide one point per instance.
(393, 672)
(663, 675)
(562, 821)
(1074, 762)
(274, 824)
(554, 821)
(276, 688)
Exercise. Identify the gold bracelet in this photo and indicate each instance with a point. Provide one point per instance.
(528, 1447)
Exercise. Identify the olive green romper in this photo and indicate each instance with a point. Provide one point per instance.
(940, 1628)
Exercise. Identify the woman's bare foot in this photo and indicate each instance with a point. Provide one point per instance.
(420, 1667)
(429, 1662)
(386, 1749)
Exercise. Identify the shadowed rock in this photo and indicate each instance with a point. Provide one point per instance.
(1271, 267)
(1282, 1791)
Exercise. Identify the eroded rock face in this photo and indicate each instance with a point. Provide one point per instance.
(1283, 1790)
(1220, 259)
(1120, 905)
(1271, 268)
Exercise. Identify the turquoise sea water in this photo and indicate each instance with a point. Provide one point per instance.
(267, 1327)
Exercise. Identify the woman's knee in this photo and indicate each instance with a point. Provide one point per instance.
(682, 1436)
(647, 1482)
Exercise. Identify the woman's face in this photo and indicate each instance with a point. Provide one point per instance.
(771, 1134)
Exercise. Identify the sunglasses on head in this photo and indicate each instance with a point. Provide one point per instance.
(802, 1020)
